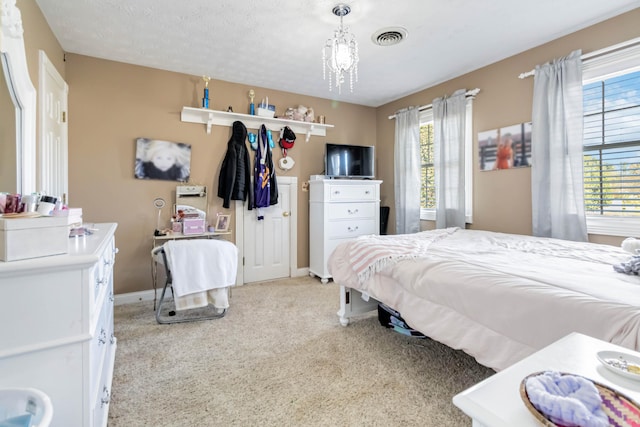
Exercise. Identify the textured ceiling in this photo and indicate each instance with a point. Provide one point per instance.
(277, 44)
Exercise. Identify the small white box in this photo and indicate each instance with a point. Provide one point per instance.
(265, 112)
(23, 238)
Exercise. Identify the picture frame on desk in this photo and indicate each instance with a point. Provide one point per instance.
(222, 223)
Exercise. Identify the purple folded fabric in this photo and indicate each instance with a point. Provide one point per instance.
(569, 400)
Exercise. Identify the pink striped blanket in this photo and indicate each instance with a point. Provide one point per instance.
(371, 254)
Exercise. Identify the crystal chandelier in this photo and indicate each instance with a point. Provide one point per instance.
(340, 53)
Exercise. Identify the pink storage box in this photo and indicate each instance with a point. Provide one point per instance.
(193, 226)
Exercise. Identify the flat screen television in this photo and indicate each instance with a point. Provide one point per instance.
(349, 161)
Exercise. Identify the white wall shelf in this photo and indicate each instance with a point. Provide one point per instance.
(224, 118)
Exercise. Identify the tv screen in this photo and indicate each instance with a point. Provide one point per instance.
(349, 161)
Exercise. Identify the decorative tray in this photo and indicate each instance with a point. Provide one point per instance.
(621, 410)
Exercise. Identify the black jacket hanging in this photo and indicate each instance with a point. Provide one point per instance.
(235, 173)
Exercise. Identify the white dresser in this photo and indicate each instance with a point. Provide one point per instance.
(339, 209)
(56, 327)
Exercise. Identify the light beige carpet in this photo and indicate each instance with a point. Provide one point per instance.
(280, 358)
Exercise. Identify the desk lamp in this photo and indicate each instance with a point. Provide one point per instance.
(159, 204)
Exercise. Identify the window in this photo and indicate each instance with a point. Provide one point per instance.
(427, 170)
(611, 160)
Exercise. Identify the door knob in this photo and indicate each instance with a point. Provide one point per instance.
(285, 213)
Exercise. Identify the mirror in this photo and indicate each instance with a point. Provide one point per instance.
(8, 154)
(17, 130)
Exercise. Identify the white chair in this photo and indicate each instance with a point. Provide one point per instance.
(17, 402)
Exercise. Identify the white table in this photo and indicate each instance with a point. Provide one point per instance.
(496, 401)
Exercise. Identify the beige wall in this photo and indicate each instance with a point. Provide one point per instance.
(502, 199)
(111, 104)
(38, 36)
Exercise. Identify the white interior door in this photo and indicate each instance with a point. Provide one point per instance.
(53, 151)
(267, 242)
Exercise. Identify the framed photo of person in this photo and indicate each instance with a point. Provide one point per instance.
(505, 148)
(157, 159)
(222, 223)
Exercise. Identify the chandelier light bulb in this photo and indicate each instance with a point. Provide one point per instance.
(340, 54)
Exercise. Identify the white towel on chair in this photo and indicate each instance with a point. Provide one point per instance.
(198, 265)
(219, 298)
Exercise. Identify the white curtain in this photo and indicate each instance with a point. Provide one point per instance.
(556, 150)
(449, 115)
(407, 171)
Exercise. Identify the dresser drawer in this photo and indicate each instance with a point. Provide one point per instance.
(101, 341)
(351, 228)
(351, 210)
(352, 192)
(102, 398)
(102, 273)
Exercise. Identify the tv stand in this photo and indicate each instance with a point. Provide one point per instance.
(339, 210)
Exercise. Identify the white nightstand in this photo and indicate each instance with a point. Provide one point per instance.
(496, 402)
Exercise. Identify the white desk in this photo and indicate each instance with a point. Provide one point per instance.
(496, 401)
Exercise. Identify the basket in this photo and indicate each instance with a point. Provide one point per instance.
(621, 410)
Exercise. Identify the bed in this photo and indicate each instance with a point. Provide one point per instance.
(498, 297)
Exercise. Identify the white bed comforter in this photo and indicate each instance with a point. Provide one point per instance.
(499, 297)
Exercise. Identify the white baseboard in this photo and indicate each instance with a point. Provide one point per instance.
(131, 297)
(301, 272)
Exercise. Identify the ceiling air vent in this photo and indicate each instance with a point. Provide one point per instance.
(389, 36)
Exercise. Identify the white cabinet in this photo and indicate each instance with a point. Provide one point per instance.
(56, 327)
(339, 210)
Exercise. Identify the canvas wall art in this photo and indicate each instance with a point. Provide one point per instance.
(157, 159)
(505, 148)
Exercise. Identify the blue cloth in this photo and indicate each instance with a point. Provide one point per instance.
(632, 266)
(569, 400)
(19, 421)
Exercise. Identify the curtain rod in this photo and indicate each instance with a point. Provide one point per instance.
(594, 54)
(469, 94)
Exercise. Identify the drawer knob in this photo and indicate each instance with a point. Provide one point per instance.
(367, 192)
(102, 339)
(106, 397)
(355, 211)
(111, 297)
(113, 339)
(336, 192)
(353, 228)
(107, 263)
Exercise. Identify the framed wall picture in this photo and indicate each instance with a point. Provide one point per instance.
(157, 159)
(222, 223)
(505, 148)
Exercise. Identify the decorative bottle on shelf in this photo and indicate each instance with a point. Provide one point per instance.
(205, 99)
(252, 106)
